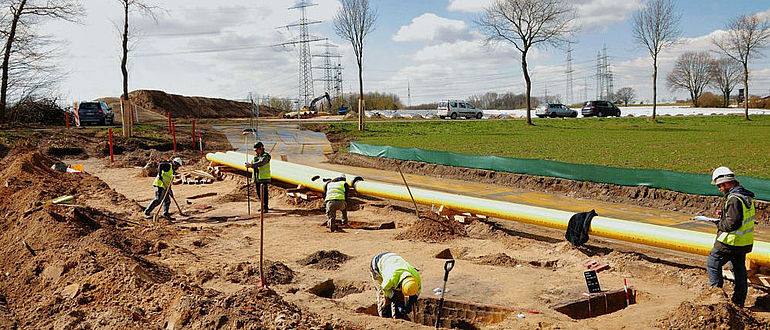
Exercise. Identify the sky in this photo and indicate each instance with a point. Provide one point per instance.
(227, 49)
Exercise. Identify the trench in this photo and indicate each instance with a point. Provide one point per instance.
(456, 314)
(598, 304)
(336, 289)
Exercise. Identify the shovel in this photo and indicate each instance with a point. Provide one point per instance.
(448, 265)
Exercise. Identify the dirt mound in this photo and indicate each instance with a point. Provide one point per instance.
(248, 273)
(190, 106)
(328, 260)
(433, 229)
(497, 259)
(711, 310)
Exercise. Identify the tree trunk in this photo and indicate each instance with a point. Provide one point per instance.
(362, 111)
(654, 87)
(123, 68)
(694, 98)
(529, 86)
(746, 90)
(7, 59)
(725, 98)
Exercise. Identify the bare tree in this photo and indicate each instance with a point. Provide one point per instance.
(656, 27)
(745, 36)
(692, 72)
(528, 23)
(23, 15)
(354, 21)
(726, 73)
(625, 95)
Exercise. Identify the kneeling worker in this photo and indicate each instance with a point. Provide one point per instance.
(396, 279)
(735, 235)
(336, 192)
(162, 183)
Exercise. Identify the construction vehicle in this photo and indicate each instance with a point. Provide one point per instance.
(311, 110)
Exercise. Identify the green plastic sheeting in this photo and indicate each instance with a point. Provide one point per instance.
(699, 184)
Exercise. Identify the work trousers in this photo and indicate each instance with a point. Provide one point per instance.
(332, 206)
(262, 188)
(718, 258)
(387, 307)
(159, 192)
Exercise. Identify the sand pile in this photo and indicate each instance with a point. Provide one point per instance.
(328, 260)
(711, 310)
(433, 229)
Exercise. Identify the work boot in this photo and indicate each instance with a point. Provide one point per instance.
(168, 216)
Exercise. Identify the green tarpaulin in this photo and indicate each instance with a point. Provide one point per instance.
(699, 184)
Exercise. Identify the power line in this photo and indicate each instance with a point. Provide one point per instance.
(306, 91)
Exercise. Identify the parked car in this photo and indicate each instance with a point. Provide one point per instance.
(96, 112)
(600, 109)
(554, 110)
(457, 108)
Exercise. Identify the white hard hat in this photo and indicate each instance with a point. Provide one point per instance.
(177, 161)
(721, 175)
(341, 175)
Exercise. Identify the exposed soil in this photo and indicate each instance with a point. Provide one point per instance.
(638, 195)
(248, 273)
(433, 229)
(328, 260)
(711, 310)
(498, 259)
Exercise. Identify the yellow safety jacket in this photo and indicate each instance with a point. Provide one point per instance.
(744, 235)
(335, 190)
(262, 172)
(393, 269)
(163, 179)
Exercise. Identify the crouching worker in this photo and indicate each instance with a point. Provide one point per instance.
(396, 281)
(162, 183)
(336, 192)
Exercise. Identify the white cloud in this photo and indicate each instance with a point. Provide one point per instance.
(603, 13)
(430, 27)
(468, 5)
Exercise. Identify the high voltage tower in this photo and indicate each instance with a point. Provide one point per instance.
(330, 68)
(569, 97)
(306, 91)
(605, 89)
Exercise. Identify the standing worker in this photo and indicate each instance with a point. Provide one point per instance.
(262, 173)
(162, 183)
(395, 279)
(336, 192)
(735, 235)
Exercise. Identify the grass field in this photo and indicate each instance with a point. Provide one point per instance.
(685, 144)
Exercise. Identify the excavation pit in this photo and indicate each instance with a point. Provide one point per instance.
(597, 304)
(455, 314)
(332, 289)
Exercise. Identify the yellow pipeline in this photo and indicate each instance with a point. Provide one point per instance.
(629, 231)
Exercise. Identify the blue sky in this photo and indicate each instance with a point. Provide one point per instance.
(221, 49)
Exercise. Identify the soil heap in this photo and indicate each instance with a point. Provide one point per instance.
(190, 106)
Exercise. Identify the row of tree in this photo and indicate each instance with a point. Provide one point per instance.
(696, 71)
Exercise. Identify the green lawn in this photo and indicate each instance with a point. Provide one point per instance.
(685, 144)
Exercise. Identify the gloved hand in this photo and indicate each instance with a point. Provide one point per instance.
(401, 311)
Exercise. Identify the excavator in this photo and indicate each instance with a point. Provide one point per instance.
(311, 110)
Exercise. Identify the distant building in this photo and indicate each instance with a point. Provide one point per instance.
(681, 101)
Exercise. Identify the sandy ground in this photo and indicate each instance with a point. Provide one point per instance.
(212, 243)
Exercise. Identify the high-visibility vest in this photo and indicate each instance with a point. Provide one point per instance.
(164, 178)
(335, 190)
(393, 269)
(263, 172)
(744, 235)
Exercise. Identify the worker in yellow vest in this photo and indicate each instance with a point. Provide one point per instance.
(336, 198)
(398, 285)
(735, 235)
(162, 182)
(261, 174)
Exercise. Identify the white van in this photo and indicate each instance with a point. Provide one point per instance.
(457, 108)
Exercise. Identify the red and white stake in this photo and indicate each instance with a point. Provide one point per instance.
(112, 157)
(625, 288)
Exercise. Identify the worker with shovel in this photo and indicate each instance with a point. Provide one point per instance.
(735, 235)
(336, 198)
(162, 184)
(396, 280)
(261, 175)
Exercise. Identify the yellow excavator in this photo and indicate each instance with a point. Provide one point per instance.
(311, 110)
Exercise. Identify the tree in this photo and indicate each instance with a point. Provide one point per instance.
(528, 23)
(692, 72)
(354, 21)
(23, 15)
(745, 36)
(656, 27)
(725, 75)
(144, 8)
(625, 95)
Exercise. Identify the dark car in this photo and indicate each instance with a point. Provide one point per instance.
(600, 109)
(96, 113)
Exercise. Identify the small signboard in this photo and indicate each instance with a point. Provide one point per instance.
(592, 281)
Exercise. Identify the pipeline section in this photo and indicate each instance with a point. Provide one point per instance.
(629, 231)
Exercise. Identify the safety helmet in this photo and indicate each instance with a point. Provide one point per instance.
(341, 176)
(721, 175)
(258, 145)
(410, 286)
(177, 161)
